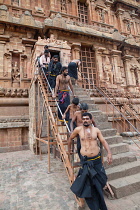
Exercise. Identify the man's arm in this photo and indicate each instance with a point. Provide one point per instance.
(41, 61)
(106, 146)
(56, 87)
(73, 120)
(72, 136)
(64, 115)
(71, 87)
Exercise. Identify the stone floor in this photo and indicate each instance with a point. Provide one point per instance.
(26, 185)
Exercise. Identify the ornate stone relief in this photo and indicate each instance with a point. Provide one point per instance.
(15, 17)
(15, 73)
(13, 92)
(108, 71)
(53, 42)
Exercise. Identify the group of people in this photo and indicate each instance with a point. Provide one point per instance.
(52, 67)
(91, 177)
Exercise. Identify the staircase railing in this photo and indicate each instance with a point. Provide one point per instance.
(54, 137)
(126, 107)
(117, 115)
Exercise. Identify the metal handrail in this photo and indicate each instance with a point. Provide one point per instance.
(109, 102)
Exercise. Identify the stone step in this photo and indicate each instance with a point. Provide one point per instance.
(114, 139)
(118, 148)
(96, 112)
(126, 185)
(109, 132)
(124, 170)
(120, 159)
(88, 101)
(102, 125)
(92, 107)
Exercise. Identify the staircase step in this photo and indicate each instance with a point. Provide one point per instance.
(113, 139)
(118, 148)
(126, 185)
(88, 101)
(123, 170)
(120, 159)
(96, 112)
(108, 132)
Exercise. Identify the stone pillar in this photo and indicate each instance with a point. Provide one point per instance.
(99, 62)
(76, 48)
(119, 13)
(7, 65)
(93, 13)
(127, 59)
(108, 4)
(133, 79)
(52, 5)
(1, 58)
(117, 73)
(90, 12)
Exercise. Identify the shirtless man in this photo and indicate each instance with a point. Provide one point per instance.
(77, 117)
(63, 82)
(71, 109)
(90, 155)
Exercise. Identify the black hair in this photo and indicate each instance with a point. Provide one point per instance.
(63, 69)
(75, 101)
(55, 56)
(46, 46)
(46, 51)
(87, 114)
(83, 106)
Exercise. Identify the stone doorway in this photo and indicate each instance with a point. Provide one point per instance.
(88, 69)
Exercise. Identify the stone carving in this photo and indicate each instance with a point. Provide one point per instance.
(15, 73)
(13, 92)
(108, 71)
(27, 19)
(16, 13)
(2, 91)
(25, 92)
(63, 6)
(8, 93)
(3, 12)
(19, 92)
(53, 42)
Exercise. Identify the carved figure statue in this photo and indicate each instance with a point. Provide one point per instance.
(108, 71)
(15, 73)
(63, 6)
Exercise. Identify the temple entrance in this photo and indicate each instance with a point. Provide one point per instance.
(88, 69)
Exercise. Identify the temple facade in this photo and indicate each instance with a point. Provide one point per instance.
(104, 34)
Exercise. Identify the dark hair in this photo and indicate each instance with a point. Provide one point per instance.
(83, 106)
(55, 56)
(46, 46)
(63, 68)
(87, 114)
(75, 101)
(46, 51)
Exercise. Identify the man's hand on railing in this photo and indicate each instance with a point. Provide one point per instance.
(53, 96)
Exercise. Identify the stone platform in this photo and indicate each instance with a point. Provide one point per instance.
(25, 184)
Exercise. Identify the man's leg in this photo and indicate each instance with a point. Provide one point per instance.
(93, 203)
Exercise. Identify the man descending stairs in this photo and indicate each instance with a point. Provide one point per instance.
(124, 172)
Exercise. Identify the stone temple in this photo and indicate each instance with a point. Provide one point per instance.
(104, 34)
